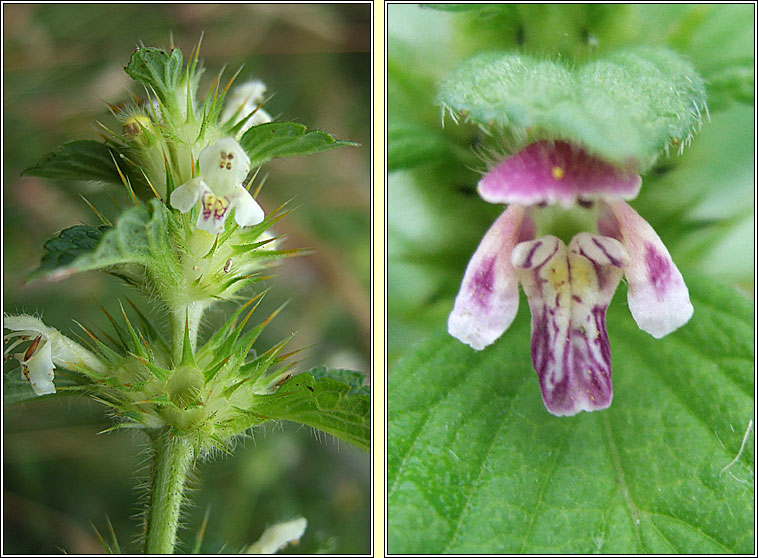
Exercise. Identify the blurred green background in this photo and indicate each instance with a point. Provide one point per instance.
(62, 63)
(701, 204)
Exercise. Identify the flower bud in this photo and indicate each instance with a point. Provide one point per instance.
(140, 130)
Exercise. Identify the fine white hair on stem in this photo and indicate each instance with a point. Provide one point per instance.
(742, 447)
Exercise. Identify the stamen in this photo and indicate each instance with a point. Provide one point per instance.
(32, 347)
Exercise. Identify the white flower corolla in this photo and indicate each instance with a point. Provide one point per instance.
(223, 167)
(244, 100)
(49, 348)
(278, 536)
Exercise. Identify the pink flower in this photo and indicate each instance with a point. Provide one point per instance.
(568, 288)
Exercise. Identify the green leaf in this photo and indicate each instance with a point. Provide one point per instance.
(628, 107)
(286, 139)
(413, 145)
(84, 160)
(477, 465)
(736, 81)
(70, 244)
(350, 377)
(464, 7)
(16, 389)
(332, 402)
(139, 236)
(158, 70)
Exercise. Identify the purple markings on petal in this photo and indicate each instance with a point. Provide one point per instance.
(556, 172)
(483, 284)
(658, 298)
(658, 270)
(488, 299)
(569, 291)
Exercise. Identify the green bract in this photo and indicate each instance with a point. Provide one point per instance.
(627, 108)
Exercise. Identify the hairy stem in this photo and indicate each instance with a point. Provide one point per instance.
(172, 459)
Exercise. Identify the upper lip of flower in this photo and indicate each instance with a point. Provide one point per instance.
(556, 172)
(568, 289)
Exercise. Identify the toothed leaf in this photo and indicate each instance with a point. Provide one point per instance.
(85, 160)
(70, 244)
(476, 464)
(139, 236)
(286, 139)
(327, 404)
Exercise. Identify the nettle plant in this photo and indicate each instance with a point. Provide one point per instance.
(193, 237)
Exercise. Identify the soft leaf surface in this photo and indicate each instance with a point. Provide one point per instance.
(71, 243)
(476, 464)
(285, 139)
(627, 107)
(331, 401)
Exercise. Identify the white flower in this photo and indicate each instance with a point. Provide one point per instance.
(278, 536)
(223, 166)
(48, 349)
(244, 100)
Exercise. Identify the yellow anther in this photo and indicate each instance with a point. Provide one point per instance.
(557, 172)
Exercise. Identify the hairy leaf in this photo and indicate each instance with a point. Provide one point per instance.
(476, 464)
(350, 377)
(138, 236)
(158, 70)
(85, 160)
(71, 243)
(336, 406)
(627, 107)
(286, 139)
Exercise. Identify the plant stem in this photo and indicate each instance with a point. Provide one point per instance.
(172, 458)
